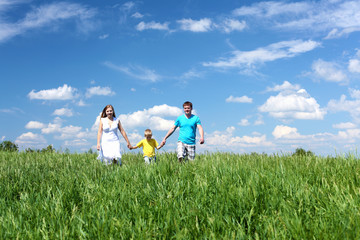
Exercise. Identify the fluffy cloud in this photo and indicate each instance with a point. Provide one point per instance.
(99, 91)
(230, 25)
(61, 93)
(344, 105)
(243, 99)
(344, 125)
(31, 140)
(227, 139)
(152, 25)
(202, 25)
(244, 122)
(328, 71)
(282, 131)
(284, 49)
(63, 112)
(354, 65)
(152, 118)
(34, 125)
(284, 87)
(296, 105)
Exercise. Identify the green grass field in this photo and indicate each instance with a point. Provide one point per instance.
(218, 196)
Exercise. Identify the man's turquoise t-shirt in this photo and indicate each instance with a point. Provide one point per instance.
(187, 126)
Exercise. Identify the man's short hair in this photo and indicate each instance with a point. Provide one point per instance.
(187, 103)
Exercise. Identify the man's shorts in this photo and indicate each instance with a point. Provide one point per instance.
(184, 150)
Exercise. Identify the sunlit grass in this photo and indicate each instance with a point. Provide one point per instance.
(218, 196)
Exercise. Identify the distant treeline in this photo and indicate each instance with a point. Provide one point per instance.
(9, 146)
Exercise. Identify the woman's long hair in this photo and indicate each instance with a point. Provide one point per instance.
(103, 114)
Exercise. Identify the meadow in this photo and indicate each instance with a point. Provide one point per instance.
(218, 196)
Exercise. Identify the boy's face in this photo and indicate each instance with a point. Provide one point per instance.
(148, 137)
(187, 110)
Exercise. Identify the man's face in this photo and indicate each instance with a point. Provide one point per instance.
(187, 110)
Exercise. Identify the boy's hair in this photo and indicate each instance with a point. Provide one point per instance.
(148, 133)
(187, 103)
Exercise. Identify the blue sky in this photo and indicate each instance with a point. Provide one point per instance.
(264, 76)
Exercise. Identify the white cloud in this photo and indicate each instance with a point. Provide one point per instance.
(137, 15)
(136, 72)
(202, 25)
(69, 132)
(354, 93)
(344, 125)
(230, 25)
(99, 91)
(61, 93)
(47, 15)
(152, 25)
(344, 105)
(282, 131)
(259, 120)
(328, 71)
(243, 99)
(51, 128)
(354, 65)
(337, 17)
(285, 49)
(165, 110)
(284, 87)
(34, 125)
(31, 140)
(104, 36)
(152, 118)
(272, 8)
(296, 105)
(63, 112)
(77, 142)
(227, 139)
(244, 122)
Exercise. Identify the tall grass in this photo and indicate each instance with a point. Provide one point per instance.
(218, 196)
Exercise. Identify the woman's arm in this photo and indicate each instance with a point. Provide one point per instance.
(99, 135)
(123, 133)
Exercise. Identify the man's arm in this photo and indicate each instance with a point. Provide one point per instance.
(201, 131)
(167, 135)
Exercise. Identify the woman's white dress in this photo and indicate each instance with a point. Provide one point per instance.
(110, 144)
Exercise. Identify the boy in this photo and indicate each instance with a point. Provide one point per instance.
(148, 144)
(186, 141)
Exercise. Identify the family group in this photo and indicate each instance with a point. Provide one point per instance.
(108, 143)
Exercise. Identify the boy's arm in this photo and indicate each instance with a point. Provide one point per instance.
(201, 131)
(135, 147)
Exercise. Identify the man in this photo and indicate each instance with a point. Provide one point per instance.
(186, 141)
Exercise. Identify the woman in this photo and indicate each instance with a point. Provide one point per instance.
(109, 149)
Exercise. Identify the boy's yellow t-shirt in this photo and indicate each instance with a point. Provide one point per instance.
(148, 147)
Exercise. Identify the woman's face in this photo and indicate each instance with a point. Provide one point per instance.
(109, 112)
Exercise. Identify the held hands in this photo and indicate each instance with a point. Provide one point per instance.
(162, 143)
